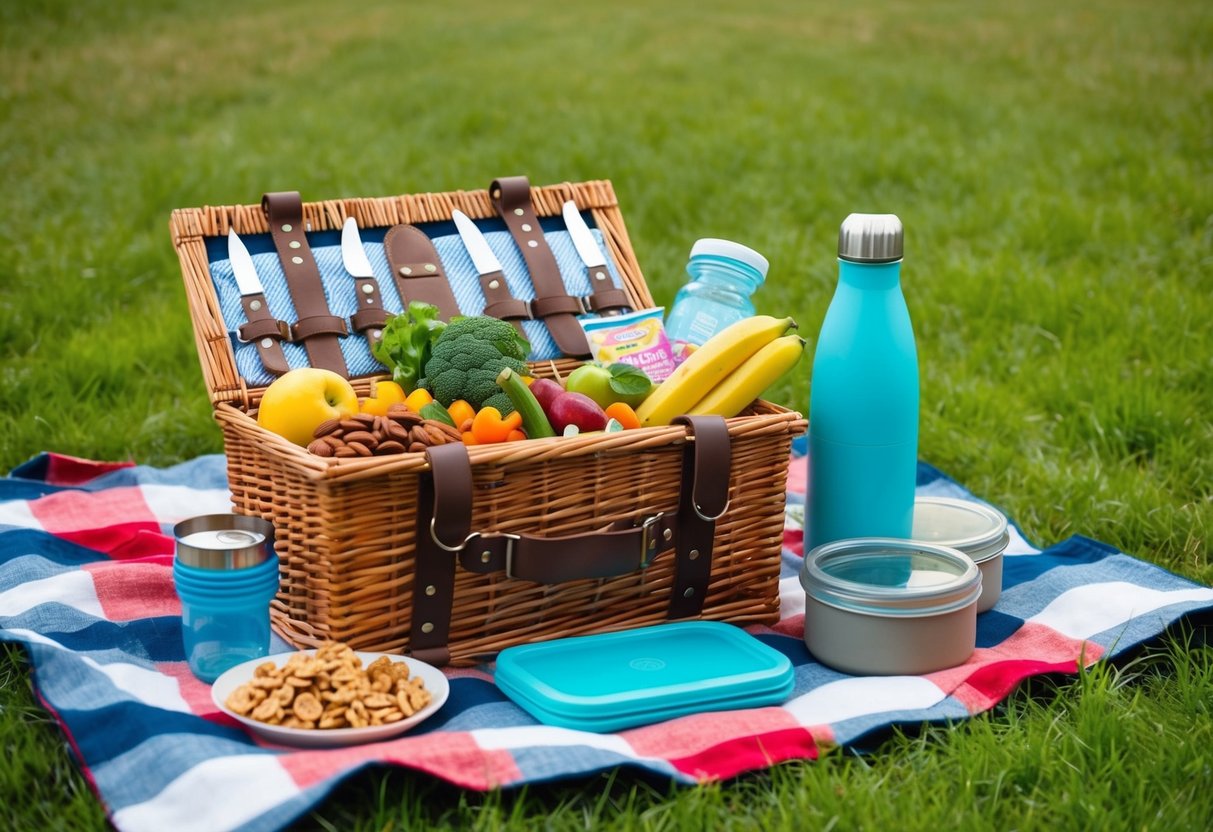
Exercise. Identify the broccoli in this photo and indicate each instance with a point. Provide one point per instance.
(467, 358)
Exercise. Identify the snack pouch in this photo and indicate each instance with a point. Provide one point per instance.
(637, 338)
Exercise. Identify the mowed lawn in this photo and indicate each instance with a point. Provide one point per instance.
(1051, 162)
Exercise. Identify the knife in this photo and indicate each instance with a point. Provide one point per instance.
(370, 317)
(610, 300)
(261, 328)
(499, 303)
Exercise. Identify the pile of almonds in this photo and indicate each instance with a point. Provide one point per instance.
(402, 430)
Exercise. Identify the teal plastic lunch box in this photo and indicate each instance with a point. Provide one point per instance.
(609, 681)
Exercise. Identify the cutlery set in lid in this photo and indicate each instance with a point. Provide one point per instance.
(308, 299)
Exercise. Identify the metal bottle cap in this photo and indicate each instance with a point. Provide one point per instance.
(871, 238)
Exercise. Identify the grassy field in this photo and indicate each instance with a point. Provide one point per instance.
(1053, 165)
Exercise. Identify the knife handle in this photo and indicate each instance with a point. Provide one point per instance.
(499, 303)
(266, 331)
(371, 316)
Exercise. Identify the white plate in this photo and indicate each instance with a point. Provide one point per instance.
(233, 678)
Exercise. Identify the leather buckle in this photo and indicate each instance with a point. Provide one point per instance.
(509, 551)
(284, 333)
(649, 540)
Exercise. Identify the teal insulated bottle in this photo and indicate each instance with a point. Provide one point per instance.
(863, 404)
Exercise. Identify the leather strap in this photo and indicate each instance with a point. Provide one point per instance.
(371, 317)
(620, 549)
(317, 327)
(418, 270)
(511, 196)
(266, 331)
(444, 521)
(704, 498)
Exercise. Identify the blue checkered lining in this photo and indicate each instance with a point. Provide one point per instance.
(340, 288)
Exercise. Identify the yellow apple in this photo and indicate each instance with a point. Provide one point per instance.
(299, 400)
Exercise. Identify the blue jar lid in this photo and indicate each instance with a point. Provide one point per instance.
(713, 247)
(609, 681)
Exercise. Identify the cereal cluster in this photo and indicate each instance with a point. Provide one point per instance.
(330, 689)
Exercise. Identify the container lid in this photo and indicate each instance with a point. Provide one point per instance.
(890, 577)
(734, 251)
(975, 529)
(871, 238)
(224, 541)
(609, 681)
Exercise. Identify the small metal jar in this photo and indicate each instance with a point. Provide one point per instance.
(973, 528)
(889, 607)
(226, 573)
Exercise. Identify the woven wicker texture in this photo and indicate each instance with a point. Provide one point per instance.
(346, 528)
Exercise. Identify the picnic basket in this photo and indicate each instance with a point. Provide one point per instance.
(360, 563)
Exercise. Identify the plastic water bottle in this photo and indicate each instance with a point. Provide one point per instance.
(863, 405)
(723, 276)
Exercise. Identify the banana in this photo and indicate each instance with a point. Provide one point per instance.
(755, 375)
(708, 366)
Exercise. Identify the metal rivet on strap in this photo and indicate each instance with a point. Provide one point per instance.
(430, 267)
(689, 592)
(668, 534)
(485, 556)
(431, 589)
(286, 226)
(267, 342)
(405, 270)
(532, 243)
(254, 305)
(693, 554)
(297, 260)
(493, 284)
(526, 226)
(600, 275)
(427, 627)
(496, 193)
(368, 288)
(519, 212)
(375, 333)
(295, 244)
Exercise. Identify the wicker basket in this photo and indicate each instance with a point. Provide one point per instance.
(347, 530)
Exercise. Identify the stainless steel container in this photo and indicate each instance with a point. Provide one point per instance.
(973, 528)
(887, 607)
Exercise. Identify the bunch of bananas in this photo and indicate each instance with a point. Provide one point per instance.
(728, 372)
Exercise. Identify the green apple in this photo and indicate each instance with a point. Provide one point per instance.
(611, 383)
(297, 402)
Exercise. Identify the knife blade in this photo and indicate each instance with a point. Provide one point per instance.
(261, 328)
(370, 317)
(477, 247)
(611, 301)
(498, 302)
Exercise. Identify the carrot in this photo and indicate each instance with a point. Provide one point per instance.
(622, 413)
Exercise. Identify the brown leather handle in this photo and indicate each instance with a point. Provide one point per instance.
(266, 331)
(317, 327)
(511, 196)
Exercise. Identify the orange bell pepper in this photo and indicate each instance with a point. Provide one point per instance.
(489, 426)
(461, 411)
(418, 399)
(387, 393)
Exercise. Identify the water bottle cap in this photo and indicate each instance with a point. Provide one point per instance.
(871, 238)
(735, 251)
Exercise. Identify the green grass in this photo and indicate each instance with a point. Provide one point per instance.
(1052, 162)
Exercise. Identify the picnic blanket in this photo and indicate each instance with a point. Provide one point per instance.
(86, 586)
